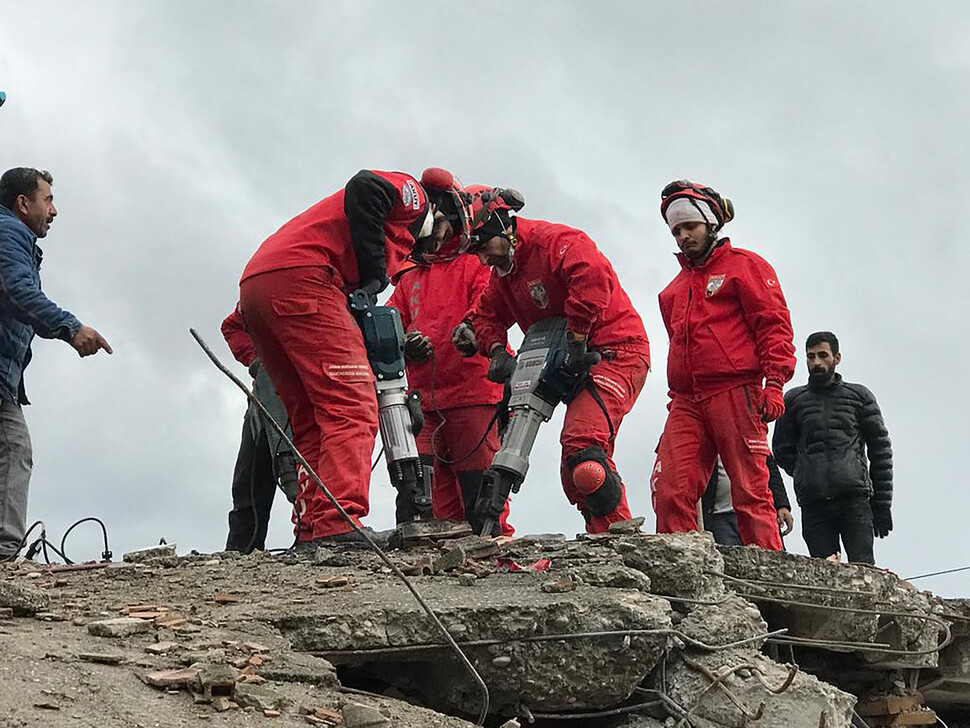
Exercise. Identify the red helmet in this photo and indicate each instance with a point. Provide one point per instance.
(491, 208)
(722, 207)
(449, 199)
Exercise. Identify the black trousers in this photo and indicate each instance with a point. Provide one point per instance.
(253, 488)
(724, 526)
(848, 518)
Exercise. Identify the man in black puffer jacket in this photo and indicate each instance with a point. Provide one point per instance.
(822, 440)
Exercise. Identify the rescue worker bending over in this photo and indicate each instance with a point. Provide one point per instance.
(542, 270)
(459, 437)
(293, 297)
(730, 331)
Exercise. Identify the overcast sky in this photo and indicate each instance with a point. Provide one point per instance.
(180, 134)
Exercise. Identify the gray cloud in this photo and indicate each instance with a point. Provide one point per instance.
(181, 134)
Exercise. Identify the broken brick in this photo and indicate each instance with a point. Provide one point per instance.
(160, 648)
(172, 678)
(120, 627)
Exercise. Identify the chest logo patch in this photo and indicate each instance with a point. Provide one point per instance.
(714, 284)
(538, 293)
(409, 195)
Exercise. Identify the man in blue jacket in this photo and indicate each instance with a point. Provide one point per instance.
(26, 213)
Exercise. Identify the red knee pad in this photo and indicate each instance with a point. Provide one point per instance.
(595, 480)
(589, 476)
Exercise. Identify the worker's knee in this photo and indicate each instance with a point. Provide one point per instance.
(595, 480)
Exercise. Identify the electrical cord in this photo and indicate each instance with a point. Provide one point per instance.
(13, 555)
(105, 555)
(444, 421)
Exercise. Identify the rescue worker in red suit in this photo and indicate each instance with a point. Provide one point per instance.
(542, 270)
(293, 295)
(730, 355)
(459, 437)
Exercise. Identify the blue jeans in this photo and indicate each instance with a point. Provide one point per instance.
(16, 461)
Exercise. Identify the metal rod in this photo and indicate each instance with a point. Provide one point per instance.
(405, 649)
(598, 714)
(370, 542)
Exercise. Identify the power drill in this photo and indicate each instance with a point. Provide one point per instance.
(399, 411)
(538, 384)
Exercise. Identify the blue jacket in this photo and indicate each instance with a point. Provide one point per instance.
(24, 309)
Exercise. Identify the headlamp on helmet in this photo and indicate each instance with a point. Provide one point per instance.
(721, 207)
(449, 199)
(492, 209)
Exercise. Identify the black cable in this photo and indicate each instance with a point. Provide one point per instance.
(444, 421)
(378, 458)
(23, 542)
(595, 393)
(105, 555)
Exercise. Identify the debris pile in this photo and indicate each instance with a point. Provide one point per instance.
(620, 629)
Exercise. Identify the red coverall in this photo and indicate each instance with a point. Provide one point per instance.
(729, 329)
(238, 339)
(293, 295)
(559, 271)
(457, 399)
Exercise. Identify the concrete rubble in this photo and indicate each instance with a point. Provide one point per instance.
(623, 630)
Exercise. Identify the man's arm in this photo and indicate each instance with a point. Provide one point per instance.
(368, 199)
(586, 274)
(23, 298)
(777, 485)
(491, 318)
(236, 336)
(879, 449)
(766, 312)
(784, 442)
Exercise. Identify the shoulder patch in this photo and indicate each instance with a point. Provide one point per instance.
(410, 196)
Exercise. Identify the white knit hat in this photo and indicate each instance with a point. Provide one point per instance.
(684, 210)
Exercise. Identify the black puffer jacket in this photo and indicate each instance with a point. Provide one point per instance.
(822, 441)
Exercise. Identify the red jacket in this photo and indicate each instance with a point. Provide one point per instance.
(363, 231)
(558, 271)
(234, 332)
(728, 324)
(433, 299)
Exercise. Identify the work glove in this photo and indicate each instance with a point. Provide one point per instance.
(502, 366)
(417, 346)
(376, 283)
(773, 406)
(464, 339)
(254, 368)
(578, 357)
(882, 519)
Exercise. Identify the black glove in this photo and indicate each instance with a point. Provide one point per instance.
(578, 357)
(374, 284)
(882, 519)
(464, 339)
(417, 347)
(254, 368)
(502, 366)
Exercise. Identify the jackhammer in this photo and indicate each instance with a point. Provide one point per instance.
(538, 384)
(399, 411)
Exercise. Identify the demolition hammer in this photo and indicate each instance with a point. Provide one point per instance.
(399, 411)
(538, 384)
